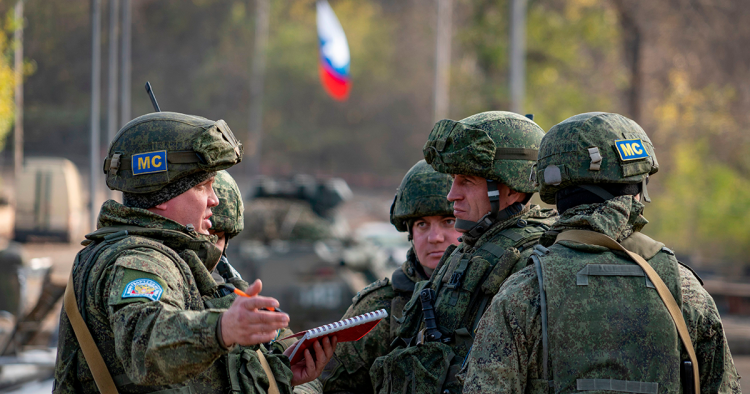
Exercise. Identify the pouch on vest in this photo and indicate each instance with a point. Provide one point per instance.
(246, 373)
(412, 313)
(413, 370)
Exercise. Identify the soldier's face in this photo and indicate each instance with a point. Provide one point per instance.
(469, 196)
(192, 207)
(431, 236)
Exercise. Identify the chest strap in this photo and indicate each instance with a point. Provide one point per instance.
(594, 238)
(273, 388)
(94, 359)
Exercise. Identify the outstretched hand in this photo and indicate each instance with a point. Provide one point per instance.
(307, 369)
(245, 324)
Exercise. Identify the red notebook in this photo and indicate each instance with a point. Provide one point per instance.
(346, 330)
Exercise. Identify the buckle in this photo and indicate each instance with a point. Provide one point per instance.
(455, 280)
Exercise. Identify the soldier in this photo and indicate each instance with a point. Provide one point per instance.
(134, 318)
(421, 208)
(616, 310)
(489, 156)
(227, 221)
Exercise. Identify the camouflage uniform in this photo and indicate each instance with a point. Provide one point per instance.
(604, 324)
(500, 147)
(348, 370)
(143, 281)
(421, 193)
(228, 217)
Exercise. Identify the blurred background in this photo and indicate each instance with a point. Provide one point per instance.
(320, 172)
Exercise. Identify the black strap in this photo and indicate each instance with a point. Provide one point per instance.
(598, 190)
(516, 154)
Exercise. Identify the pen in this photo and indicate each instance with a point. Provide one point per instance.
(243, 294)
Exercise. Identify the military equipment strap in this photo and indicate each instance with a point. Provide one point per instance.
(516, 154)
(455, 280)
(593, 238)
(117, 163)
(543, 306)
(272, 387)
(94, 359)
(582, 276)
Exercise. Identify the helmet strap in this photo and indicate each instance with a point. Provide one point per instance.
(476, 229)
(644, 191)
(598, 190)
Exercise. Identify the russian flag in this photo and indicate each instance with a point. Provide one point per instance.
(334, 53)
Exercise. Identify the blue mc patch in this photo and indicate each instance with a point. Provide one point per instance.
(150, 162)
(145, 288)
(631, 149)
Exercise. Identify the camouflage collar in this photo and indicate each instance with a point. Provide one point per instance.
(413, 268)
(496, 228)
(616, 218)
(115, 217)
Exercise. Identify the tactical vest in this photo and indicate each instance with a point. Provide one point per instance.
(103, 247)
(403, 284)
(464, 282)
(606, 327)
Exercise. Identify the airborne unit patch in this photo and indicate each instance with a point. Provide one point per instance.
(150, 162)
(145, 288)
(631, 149)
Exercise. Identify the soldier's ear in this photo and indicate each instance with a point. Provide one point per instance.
(162, 207)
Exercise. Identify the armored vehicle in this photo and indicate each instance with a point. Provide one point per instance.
(301, 248)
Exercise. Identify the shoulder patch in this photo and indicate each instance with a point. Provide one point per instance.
(631, 149)
(369, 289)
(143, 287)
(149, 162)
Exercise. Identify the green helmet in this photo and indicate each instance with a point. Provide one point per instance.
(496, 145)
(157, 149)
(591, 148)
(228, 216)
(422, 193)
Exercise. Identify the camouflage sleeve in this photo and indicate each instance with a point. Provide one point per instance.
(314, 387)
(156, 339)
(349, 369)
(717, 372)
(507, 350)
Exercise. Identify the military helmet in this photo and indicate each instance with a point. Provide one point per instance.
(228, 216)
(422, 192)
(495, 145)
(592, 148)
(157, 149)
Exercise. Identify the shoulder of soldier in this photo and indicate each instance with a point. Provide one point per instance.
(519, 289)
(147, 255)
(374, 291)
(524, 235)
(544, 215)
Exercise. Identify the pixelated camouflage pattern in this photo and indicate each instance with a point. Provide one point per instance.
(228, 216)
(348, 370)
(156, 345)
(566, 146)
(422, 192)
(468, 147)
(431, 367)
(213, 142)
(507, 352)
